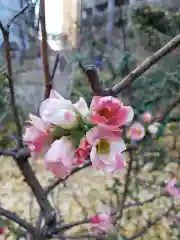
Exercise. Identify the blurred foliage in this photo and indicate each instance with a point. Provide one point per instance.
(154, 21)
(8, 135)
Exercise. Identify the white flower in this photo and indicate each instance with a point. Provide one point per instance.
(153, 128)
(58, 111)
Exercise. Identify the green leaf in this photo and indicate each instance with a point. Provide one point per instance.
(177, 184)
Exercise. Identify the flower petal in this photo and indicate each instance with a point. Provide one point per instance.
(81, 106)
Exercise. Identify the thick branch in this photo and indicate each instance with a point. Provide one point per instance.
(145, 65)
(44, 51)
(93, 78)
(7, 153)
(23, 164)
(14, 217)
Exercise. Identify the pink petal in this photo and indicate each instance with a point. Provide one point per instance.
(98, 133)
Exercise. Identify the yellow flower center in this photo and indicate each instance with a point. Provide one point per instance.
(138, 131)
(103, 147)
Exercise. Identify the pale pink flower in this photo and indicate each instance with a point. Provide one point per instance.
(102, 222)
(171, 187)
(109, 112)
(58, 111)
(37, 136)
(59, 158)
(136, 131)
(147, 117)
(81, 107)
(107, 148)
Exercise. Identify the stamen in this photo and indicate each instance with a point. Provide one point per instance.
(103, 147)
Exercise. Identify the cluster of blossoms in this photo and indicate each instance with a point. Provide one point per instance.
(66, 133)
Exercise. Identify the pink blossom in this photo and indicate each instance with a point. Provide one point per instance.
(136, 131)
(58, 111)
(109, 112)
(107, 148)
(82, 151)
(37, 136)
(171, 187)
(59, 158)
(102, 222)
(147, 117)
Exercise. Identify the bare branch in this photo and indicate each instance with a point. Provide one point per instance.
(93, 78)
(75, 170)
(126, 187)
(150, 225)
(12, 97)
(8, 153)
(23, 164)
(44, 51)
(145, 65)
(17, 15)
(14, 217)
(169, 109)
(55, 67)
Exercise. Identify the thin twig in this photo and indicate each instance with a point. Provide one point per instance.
(169, 109)
(10, 81)
(17, 15)
(57, 182)
(150, 225)
(13, 101)
(14, 217)
(55, 67)
(145, 65)
(44, 51)
(126, 187)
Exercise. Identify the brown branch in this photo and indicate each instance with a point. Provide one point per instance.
(12, 97)
(150, 225)
(169, 109)
(126, 187)
(10, 81)
(44, 51)
(130, 147)
(29, 176)
(15, 218)
(93, 78)
(145, 65)
(55, 67)
(17, 15)
(57, 182)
